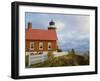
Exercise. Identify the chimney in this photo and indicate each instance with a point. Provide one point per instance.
(29, 25)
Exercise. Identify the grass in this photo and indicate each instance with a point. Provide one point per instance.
(72, 59)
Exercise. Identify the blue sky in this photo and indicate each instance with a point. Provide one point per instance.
(72, 30)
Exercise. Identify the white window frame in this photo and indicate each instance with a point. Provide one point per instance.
(49, 44)
(33, 45)
(40, 44)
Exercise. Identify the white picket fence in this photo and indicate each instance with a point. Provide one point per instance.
(57, 54)
(33, 59)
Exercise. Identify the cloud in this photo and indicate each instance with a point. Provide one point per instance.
(82, 24)
(59, 25)
(72, 30)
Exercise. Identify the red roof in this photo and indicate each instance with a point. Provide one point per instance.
(41, 34)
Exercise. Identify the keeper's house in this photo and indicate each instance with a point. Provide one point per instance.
(41, 39)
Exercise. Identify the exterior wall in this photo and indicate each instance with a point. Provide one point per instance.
(45, 45)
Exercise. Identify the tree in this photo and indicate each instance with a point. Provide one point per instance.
(73, 51)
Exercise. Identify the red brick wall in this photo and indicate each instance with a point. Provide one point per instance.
(36, 44)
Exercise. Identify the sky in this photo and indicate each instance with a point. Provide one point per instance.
(72, 30)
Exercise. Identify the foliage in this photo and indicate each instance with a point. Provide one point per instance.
(50, 55)
(71, 52)
(59, 50)
(71, 59)
(26, 60)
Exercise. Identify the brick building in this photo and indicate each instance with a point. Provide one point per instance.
(41, 39)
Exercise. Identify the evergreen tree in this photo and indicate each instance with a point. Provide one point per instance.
(73, 51)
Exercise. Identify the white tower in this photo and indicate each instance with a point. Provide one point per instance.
(52, 25)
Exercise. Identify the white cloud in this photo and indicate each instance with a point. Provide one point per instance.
(84, 25)
(59, 25)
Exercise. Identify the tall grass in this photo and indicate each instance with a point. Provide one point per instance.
(71, 59)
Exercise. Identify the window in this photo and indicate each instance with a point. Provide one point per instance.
(32, 45)
(40, 45)
(49, 46)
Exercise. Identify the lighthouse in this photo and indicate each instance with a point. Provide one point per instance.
(52, 25)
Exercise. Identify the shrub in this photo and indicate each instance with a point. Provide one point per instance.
(72, 53)
(59, 50)
(26, 60)
(50, 55)
(72, 59)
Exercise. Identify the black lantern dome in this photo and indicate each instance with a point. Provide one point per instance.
(51, 25)
(51, 22)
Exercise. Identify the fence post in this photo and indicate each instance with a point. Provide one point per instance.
(29, 60)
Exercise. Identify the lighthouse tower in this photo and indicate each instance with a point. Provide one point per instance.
(51, 25)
